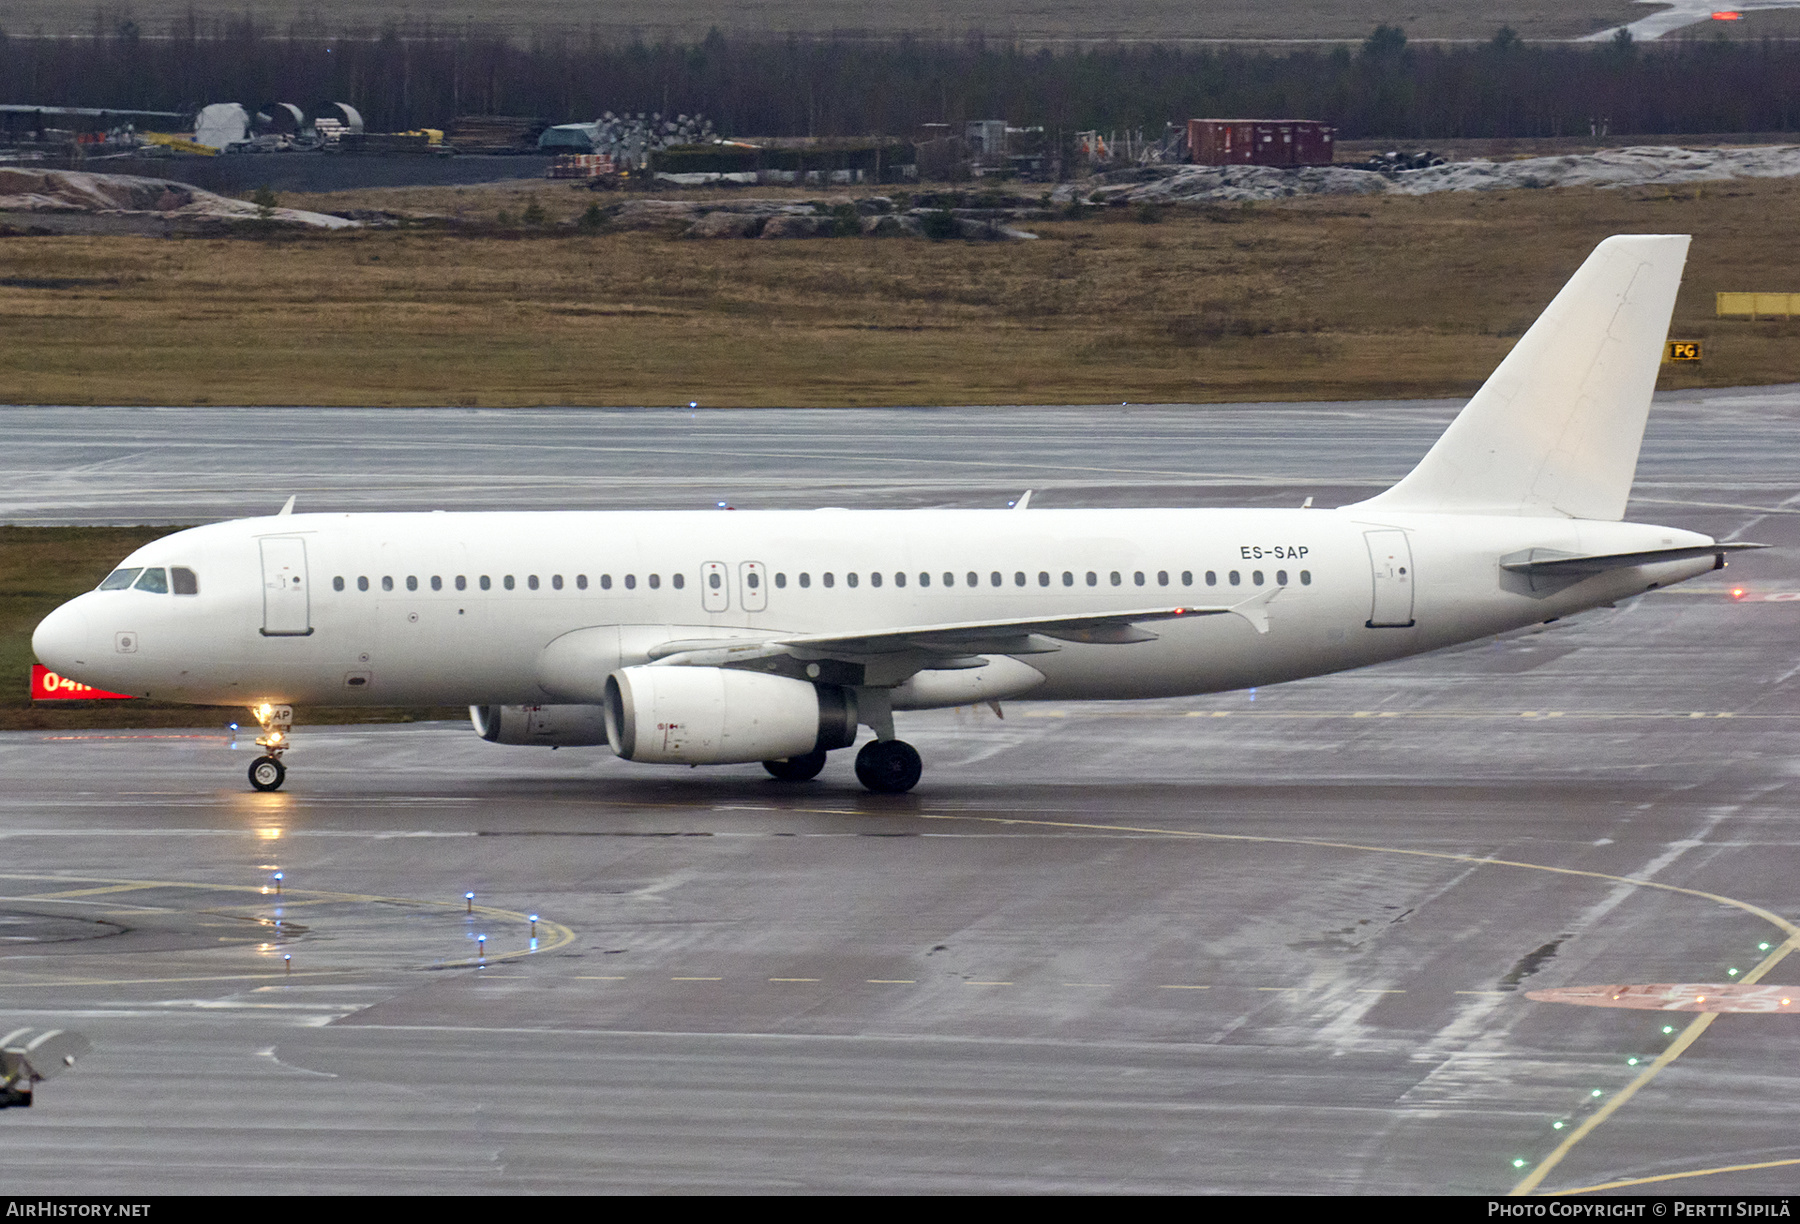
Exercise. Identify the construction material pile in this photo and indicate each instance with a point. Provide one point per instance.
(76, 191)
(1648, 165)
(496, 133)
(876, 216)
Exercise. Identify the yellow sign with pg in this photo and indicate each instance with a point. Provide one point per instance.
(1682, 350)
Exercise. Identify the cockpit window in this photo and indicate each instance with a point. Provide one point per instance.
(184, 581)
(118, 580)
(155, 580)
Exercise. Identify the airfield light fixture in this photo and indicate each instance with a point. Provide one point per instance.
(469, 900)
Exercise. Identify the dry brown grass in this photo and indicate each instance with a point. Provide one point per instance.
(1313, 299)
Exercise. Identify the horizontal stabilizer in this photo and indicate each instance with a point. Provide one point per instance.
(1549, 563)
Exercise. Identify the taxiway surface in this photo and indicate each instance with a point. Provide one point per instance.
(1271, 941)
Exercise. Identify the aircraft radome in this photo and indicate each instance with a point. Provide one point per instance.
(712, 638)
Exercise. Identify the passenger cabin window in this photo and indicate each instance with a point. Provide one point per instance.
(805, 579)
(387, 582)
(507, 582)
(1305, 577)
(1256, 577)
(1187, 578)
(462, 583)
(531, 581)
(850, 579)
(581, 582)
(606, 582)
(875, 578)
(1233, 578)
(487, 584)
(1116, 580)
(827, 579)
(556, 582)
(118, 580)
(437, 582)
(1280, 577)
(1043, 578)
(362, 582)
(631, 582)
(752, 580)
(412, 582)
(337, 584)
(680, 581)
(780, 582)
(185, 582)
(1093, 579)
(655, 581)
(994, 579)
(1212, 579)
(155, 580)
(1068, 578)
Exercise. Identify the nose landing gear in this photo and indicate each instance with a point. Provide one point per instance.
(267, 773)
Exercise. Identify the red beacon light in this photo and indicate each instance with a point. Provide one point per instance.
(1737, 592)
(1727, 15)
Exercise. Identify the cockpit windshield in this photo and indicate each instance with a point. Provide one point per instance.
(155, 580)
(118, 580)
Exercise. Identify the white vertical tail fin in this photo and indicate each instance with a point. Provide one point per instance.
(1556, 428)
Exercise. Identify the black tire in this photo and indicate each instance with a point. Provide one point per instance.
(802, 768)
(888, 767)
(267, 773)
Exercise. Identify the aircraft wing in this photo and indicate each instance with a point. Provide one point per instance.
(958, 639)
(1551, 564)
(1010, 636)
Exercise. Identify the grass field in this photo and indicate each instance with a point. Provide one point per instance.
(1050, 20)
(1313, 299)
(40, 567)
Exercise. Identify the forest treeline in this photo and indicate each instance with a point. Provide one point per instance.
(790, 86)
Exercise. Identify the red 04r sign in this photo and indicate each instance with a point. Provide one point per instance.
(46, 685)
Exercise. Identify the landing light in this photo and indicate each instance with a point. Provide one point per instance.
(1737, 592)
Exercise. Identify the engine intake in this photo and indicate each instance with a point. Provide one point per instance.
(722, 716)
(549, 726)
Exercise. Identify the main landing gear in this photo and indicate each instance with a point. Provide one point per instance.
(887, 767)
(267, 773)
(802, 768)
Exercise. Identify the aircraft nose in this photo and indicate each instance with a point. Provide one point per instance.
(63, 642)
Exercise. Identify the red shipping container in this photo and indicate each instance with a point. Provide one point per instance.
(1260, 142)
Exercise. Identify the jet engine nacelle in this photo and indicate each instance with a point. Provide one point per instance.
(722, 716)
(551, 726)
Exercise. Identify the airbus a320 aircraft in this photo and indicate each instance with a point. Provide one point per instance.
(709, 638)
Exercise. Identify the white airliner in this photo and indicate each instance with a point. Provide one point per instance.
(713, 638)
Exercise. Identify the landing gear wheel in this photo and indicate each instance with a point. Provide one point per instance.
(267, 773)
(888, 767)
(802, 768)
